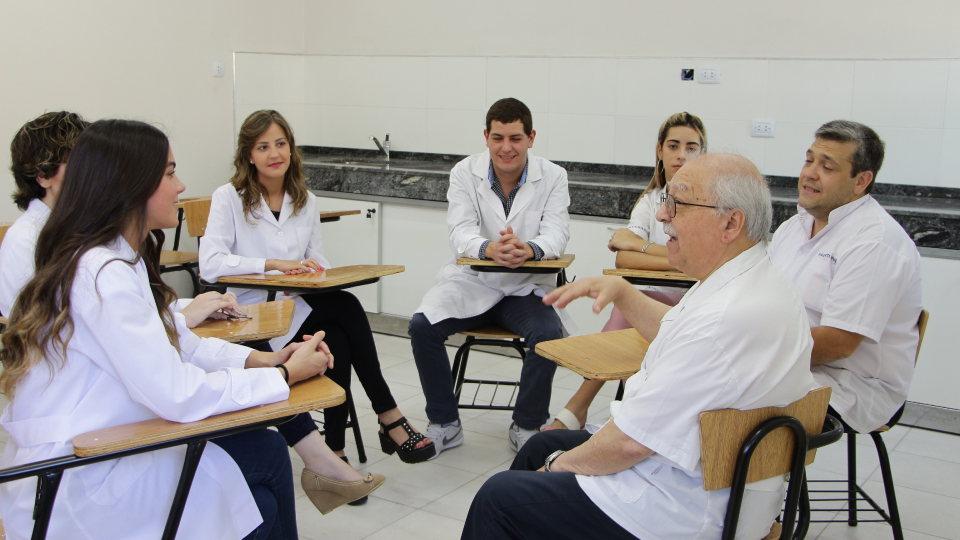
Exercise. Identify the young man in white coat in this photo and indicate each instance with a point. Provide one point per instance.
(509, 206)
(858, 273)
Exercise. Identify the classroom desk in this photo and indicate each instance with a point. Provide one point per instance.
(658, 278)
(333, 279)
(607, 356)
(546, 266)
(327, 217)
(309, 395)
(268, 320)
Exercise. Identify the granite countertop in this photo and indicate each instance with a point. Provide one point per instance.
(931, 215)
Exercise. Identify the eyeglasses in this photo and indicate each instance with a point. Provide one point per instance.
(672, 203)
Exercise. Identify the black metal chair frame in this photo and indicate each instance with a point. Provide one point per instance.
(854, 493)
(797, 501)
(463, 353)
(49, 473)
(191, 268)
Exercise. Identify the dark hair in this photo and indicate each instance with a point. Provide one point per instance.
(509, 110)
(245, 173)
(38, 149)
(868, 156)
(114, 169)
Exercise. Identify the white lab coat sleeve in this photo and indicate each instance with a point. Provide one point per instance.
(217, 256)
(463, 214)
(16, 264)
(643, 216)
(315, 246)
(208, 354)
(555, 223)
(108, 304)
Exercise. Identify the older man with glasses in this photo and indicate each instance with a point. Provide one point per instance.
(738, 339)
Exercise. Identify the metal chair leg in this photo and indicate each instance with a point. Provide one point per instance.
(852, 479)
(190, 463)
(362, 454)
(47, 485)
(888, 487)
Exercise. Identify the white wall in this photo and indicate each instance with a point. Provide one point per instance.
(150, 61)
(727, 29)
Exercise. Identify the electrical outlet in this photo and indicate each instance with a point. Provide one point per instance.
(218, 69)
(708, 75)
(763, 128)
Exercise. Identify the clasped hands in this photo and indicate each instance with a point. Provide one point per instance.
(509, 250)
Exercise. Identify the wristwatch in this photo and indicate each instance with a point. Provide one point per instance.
(550, 459)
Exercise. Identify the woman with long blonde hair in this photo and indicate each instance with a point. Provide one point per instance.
(641, 244)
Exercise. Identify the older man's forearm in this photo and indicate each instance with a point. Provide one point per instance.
(608, 451)
(642, 312)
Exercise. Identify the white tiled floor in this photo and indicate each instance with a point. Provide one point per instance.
(430, 500)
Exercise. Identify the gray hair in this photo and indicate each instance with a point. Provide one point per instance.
(869, 153)
(748, 192)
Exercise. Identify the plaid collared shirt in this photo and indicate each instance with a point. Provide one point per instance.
(507, 205)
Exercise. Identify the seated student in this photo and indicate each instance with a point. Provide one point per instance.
(858, 273)
(265, 220)
(642, 244)
(738, 339)
(509, 206)
(39, 154)
(92, 344)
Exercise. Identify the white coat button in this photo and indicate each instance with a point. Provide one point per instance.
(239, 396)
(280, 233)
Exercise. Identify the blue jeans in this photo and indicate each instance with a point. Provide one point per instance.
(264, 461)
(523, 315)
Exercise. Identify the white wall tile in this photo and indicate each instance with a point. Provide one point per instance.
(810, 91)
(269, 78)
(733, 136)
(351, 127)
(311, 133)
(293, 112)
(652, 87)
(636, 140)
(950, 159)
(912, 156)
(526, 79)
(951, 116)
(741, 94)
(583, 86)
(314, 79)
(378, 81)
(900, 94)
(457, 83)
(784, 154)
(541, 143)
(579, 137)
(455, 132)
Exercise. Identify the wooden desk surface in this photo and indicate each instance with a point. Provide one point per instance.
(563, 262)
(269, 320)
(607, 356)
(173, 258)
(338, 214)
(664, 275)
(316, 280)
(309, 395)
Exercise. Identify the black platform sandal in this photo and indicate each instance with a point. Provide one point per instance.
(362, 500)
(408, 451)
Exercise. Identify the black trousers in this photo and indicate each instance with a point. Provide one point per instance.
(520, 503)
(350, 339)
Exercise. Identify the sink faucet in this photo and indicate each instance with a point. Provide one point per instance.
(385, 147)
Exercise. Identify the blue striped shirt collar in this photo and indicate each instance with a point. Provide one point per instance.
(523, 179)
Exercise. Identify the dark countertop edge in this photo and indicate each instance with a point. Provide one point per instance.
(642, 173)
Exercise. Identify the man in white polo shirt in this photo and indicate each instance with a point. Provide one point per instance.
(858, 273)
(738, 339)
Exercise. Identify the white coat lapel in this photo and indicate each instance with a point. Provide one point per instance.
(529, 189)
(266, 215)
(286, 210)
(481, 172)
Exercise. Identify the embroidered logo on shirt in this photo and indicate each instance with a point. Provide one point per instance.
(828, 256)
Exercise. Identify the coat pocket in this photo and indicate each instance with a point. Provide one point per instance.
(124, 473)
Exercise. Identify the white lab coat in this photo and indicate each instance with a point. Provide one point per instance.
(475, 215)
(17, 251)
(233, 246)
(120, 368)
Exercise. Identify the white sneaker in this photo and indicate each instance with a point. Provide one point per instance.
(445, 437)
(519, 436)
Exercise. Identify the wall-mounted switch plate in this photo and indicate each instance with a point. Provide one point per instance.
(763, 128)
(708, 75)
(218, 69)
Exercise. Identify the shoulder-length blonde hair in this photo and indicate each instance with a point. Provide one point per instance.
(245, 173)
(681, 119)
(114, 169)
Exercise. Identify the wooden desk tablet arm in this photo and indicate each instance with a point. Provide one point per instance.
(156, 434)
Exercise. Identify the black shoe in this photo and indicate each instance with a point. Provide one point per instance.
(361, 501)
(408, 451)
